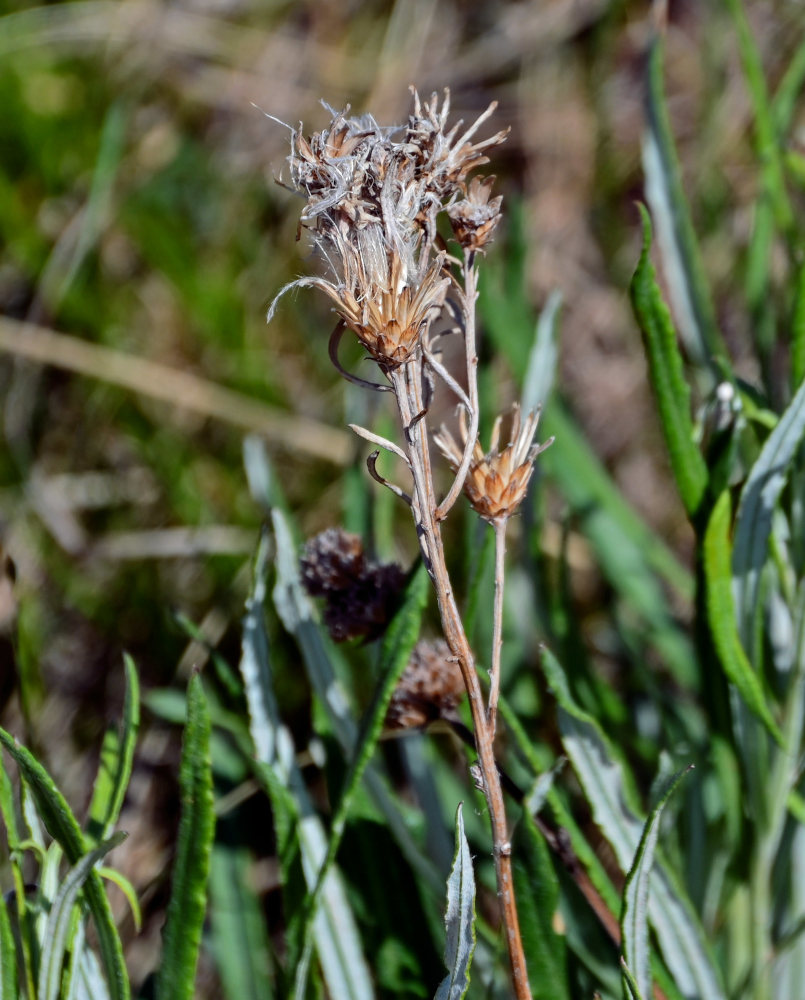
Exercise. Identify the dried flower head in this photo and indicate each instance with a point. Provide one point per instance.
(430, 687)
(373, 196)
(497, 480)
(475, 218)
(360, 596)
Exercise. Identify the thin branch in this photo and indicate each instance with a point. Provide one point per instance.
(446, 377)
(497, 624)
(373, 438)
(371, 465)
(471, 361)
(182, 390)
(335, 340)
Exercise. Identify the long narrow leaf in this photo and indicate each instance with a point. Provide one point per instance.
(459, 920)
(759, 496)
(634, 914)
(58, 924)
(117, 756)
(721, 614)
(239, 935)
(687, 282)
(9, 985)
(768, 146)
(63, 827)
(537, 891)
(296, 613)
(187, 905)
(297, 825)
(667, 378)
(680, 935)
(398, 644)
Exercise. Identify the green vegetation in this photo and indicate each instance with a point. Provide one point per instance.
(166, 455)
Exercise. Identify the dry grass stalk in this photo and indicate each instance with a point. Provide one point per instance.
(373, 196)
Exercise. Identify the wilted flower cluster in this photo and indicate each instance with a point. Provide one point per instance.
(373, 197)
(360, 596)
(430, 688)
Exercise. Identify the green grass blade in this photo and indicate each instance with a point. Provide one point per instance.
(296, 612)
(687, 281)
(187, 905)
(459, 920)
(759, 496)
(56, 937)
(398, 644)
(537, 890)
(798, 328)
(544, 356)
(239, 936)
(634, 913)
(769, 152)
(608, 788)
(667, 378)
(9, 987)
(721, 614)
(63, 827)
(784, 104)
(297, 826)
(117, 756)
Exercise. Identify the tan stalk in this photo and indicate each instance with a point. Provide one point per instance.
(407, 383)
(497, 640)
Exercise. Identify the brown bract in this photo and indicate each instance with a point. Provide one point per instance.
(497, 480)
(475, 218)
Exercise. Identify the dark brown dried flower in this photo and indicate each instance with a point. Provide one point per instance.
(430, 687)
(360, 596)
(496, 480)
(475, 218)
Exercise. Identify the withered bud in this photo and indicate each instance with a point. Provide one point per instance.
(430, 687)
(475, 218)
(360, 596)
(497, 480)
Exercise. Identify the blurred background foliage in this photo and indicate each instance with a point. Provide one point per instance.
(140, 147)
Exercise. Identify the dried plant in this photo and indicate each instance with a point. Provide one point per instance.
(373, 199)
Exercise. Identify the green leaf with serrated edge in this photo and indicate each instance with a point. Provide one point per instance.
(9, 989)
(55, 938)
(634, 911)
(459, 920)
(759, 496)
(117, 756)
(667, 377)
(537, 892)
(185, 916)
(608, 789)
(62, 825)
(239, 935)
(721, 614)
(398, 644)
(682, 263)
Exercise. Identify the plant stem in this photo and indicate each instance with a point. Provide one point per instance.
(497, 638)
(407, 383)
